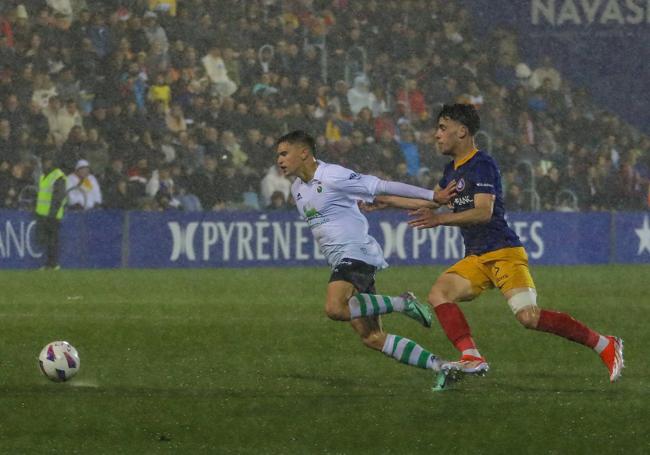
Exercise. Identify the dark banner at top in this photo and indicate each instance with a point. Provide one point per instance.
(603, 45)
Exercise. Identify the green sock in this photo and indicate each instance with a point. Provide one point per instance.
(409, 352)
(362, 305)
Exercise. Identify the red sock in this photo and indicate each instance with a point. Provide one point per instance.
(455, 326)
(565, 326)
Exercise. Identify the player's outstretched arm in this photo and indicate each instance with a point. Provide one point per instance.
(440, 197)
(396, 202)
(423, 218)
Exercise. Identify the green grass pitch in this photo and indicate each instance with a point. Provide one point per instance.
(246, 362)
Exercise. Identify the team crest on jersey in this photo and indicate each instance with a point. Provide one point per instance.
(460, 185)
(298, 196)
(319, 189)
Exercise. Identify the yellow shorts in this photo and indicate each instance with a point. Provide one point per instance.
(505, 269)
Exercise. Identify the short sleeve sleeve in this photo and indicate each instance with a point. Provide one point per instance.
(487, 178)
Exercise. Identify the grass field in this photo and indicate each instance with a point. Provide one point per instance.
(245, 361)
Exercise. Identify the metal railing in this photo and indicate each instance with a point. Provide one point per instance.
(531, 188)
(27, 197)
(534, 201)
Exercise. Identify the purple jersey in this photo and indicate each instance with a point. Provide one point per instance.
(480, 174)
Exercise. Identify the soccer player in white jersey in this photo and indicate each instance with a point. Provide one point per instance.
(326, 196)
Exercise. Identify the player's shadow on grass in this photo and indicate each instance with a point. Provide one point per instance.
(544, 383)
(325, 380)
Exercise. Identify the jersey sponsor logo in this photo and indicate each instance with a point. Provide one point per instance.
(298, 197)
(464, 200)
(460, 185)
(310, 213)
(489, 185)
(354, 176)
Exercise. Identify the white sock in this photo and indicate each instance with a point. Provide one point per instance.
(472, 352)
(602, 344)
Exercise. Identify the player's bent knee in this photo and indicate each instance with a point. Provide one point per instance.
(524, 306)
(528, 318)
(436, 297)
(336, 313)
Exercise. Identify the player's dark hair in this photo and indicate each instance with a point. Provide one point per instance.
(298, 137)
(462, 113)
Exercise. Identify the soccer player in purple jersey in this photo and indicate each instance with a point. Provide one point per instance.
(494, 255)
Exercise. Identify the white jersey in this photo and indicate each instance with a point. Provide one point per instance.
(329, 205)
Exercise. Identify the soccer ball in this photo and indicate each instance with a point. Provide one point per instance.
(59, 361)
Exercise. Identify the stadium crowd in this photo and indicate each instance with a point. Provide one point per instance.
(176, 105)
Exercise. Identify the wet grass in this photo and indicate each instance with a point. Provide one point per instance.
(245, 361)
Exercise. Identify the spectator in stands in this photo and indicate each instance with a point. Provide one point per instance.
(410, 152)
(105, 61)
(412, 98)
(165, 7)
(339, 98)
(549, 185)
(96, 151)
(84, 192)
(154, 32)
(69, 117)
(54, 116)
(231, 144)
(68, 86)
(273, 182)
(230, 60)
(388, 155)
(43, 89)
(278, 202)
(100, 35)
(175, 119)
(335, 125)
(159, 90)
(362, 151)
(209, 184)
(256, 150)
(365, 123)
(546, 70)
(360, 96)
(216, 71)
(162, 188)
(36, 123)
(15, 178)
(13, 113)
(73, 149)
(192, 152)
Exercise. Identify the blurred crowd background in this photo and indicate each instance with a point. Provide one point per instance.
(165, 105)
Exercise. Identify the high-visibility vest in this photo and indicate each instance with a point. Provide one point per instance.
(45, 189)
